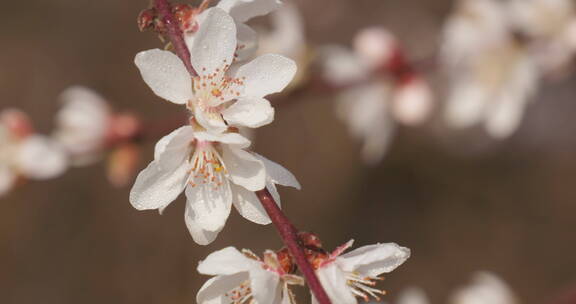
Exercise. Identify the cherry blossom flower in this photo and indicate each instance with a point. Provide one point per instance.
(242, 277)
(486, 288)
(24, 154)
(492, 76)
(346, 277)
(287, 38)
(375, 93)
(219, 96)
(242, 11)
(82, 124)
(215, 172)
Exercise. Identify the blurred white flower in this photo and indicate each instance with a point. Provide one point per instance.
(242, 277)
(374, 93)
(242, 11)
(82, 124)
(215, 172)
(220, 96)
(492, 76)
(486, 288)
(25, 154)
(346, 277)
(550, 27)
(412, 296)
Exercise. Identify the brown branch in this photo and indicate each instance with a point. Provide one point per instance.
(289, 235)
(174, 33)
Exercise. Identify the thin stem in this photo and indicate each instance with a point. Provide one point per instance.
(289, 235)
(174, 33)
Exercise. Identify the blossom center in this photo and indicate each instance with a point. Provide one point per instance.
(363, 286)
(207, 166)
(241, 294)
(211, 90)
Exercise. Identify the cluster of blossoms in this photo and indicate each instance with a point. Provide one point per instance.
(86, 128)
(346, 277)
(208, 159)
(495, 52)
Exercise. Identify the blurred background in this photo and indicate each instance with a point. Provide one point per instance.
(461, 201)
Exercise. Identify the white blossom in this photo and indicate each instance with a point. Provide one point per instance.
(220, 96)
(26, 154)
(346, 277)
(371, 102)
(492, 76)
(215, 172)
(242, 277)
(486, 288)
(82, 124)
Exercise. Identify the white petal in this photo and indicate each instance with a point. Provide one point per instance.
(486, 288)
(213, 46)
(265, 285)
(266, 74)
(247, 42)
(156, 186)
(249, 206)
(41, 158)
(7, 179)
(244, 10)
(244, 168)
(211, 205)
(175, 145)
(466, 104)
(209, 122)
(373, 260)
(214, 290)
(165, 74)
(341, 66)
(234, 139)
(505, 117)
(287, 34)
(83, 120)
(251, 112)
(375, 45)
(278, 174)
(334, 282)
(412, 296)
(200, 236)
(226, 261)
(412, 102)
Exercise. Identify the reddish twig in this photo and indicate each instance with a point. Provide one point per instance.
(289, 235)
(174, 33)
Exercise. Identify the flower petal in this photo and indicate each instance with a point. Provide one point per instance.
(157, 186)
(212, 123)
(413, 296)
(373, 260)
(251, 112)
(247, 42)
(226, 261)
(7, 179)
(334, 282)
(266, 74)
(234, 139)
(211, 204)
(41, 158)
(244, 10)
(165, 74)
(214, 290)
(213, 46)
(466, 104)
(249, 206)
(245, 169)
(278, 174)
(200, 235)
(485, 288)
(265, 285)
